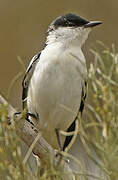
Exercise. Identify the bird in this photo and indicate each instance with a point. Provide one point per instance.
(55, 82)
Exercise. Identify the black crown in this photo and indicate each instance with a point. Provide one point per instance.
(69, 20)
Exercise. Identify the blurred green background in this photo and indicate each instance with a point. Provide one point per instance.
(23, 24)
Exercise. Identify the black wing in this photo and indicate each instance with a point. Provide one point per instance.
(27, 77)
(72, 126)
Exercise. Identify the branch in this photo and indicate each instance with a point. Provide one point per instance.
(28, 133)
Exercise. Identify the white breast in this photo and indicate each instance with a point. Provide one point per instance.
(55, 90)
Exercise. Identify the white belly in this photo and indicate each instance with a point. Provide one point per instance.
(55, 94)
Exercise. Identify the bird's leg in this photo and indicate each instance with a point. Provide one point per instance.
(58, 139)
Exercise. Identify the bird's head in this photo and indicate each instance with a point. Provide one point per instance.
(70, 28)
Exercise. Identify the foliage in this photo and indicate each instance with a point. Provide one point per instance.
(102, 109)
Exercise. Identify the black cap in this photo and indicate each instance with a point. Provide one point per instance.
(69, 20)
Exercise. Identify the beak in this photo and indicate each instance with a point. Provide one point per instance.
(92, 24)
